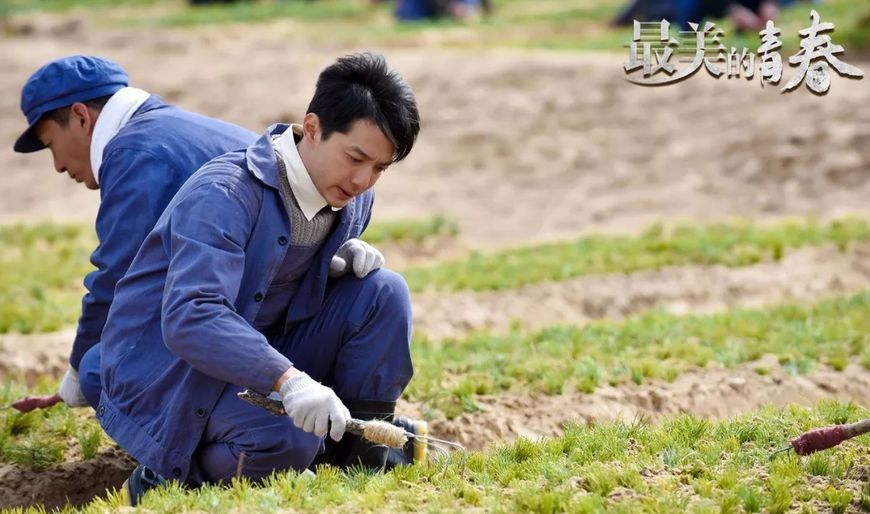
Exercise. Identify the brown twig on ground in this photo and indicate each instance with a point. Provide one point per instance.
(241, 464)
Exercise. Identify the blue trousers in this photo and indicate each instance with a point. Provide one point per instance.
(358, 344)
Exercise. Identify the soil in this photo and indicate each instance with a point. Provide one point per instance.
(710, 393)
(31, 356)
(73, 483)
(806, 274)
(518, 147)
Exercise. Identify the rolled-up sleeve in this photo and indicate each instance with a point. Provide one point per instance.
(208, 231)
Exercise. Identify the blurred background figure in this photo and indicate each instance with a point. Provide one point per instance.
(412, 10)
(203, 2)
(746, 15)
(648, 10)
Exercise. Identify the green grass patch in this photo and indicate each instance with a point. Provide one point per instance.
(728, 244)
(415, 231)
(253, 12)
(41, 272)
(657, 345)
(26, 6)
(42, 267)
(685, 464)
(179, 13)
(45, 437)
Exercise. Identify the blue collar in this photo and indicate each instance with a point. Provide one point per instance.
(260, 156)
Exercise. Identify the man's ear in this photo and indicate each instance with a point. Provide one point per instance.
(82, 118)
(311, 127)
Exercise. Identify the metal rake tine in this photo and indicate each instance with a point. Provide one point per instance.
(442, 454)
(434, 442)
(781, 450)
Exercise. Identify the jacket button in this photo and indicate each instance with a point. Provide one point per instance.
(282, 240)
(176, 472)
(258, 297)
(200, 413)
(102, 410)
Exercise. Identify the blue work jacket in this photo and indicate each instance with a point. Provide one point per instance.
(180, 327)
(143, 167)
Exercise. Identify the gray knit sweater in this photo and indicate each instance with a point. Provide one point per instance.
(304, 232)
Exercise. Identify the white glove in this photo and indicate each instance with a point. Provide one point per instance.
(70, 390)
(312, 406)
(356, 253)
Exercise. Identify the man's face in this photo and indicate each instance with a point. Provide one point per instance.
(345, 165)
(70, 147)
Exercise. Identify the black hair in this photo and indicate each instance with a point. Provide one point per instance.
(362, 86)
(61, 114)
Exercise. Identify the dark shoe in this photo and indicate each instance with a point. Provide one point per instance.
(142, 479)
(413, 451)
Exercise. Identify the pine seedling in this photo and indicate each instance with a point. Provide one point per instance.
(89, 438)
(838, 499)
(33, 454)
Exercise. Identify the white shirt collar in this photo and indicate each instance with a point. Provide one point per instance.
(114, 115)
(306, 193)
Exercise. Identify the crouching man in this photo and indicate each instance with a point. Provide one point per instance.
(138, 151)
(254, 277)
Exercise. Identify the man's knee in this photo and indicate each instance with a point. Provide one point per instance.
(89, 376)
(390, 290)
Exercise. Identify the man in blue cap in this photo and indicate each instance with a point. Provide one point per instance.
(138, 151)
(255, 277)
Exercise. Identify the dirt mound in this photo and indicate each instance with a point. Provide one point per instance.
(711, 393)
(802, 275)
(73, 483)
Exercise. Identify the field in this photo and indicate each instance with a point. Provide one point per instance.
(625, 298)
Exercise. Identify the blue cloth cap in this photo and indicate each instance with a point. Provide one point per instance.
(63, 82)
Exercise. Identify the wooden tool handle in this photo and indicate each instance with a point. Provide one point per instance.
(276, 408)
(857, 428)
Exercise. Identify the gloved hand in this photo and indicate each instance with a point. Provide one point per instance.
(357, 254)
(312, 406)
(70, 390)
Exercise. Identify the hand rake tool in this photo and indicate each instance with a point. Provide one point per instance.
(378, 432)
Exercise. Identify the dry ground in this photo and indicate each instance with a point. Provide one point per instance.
(519, 148)
(710, 393)
(802, 275)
